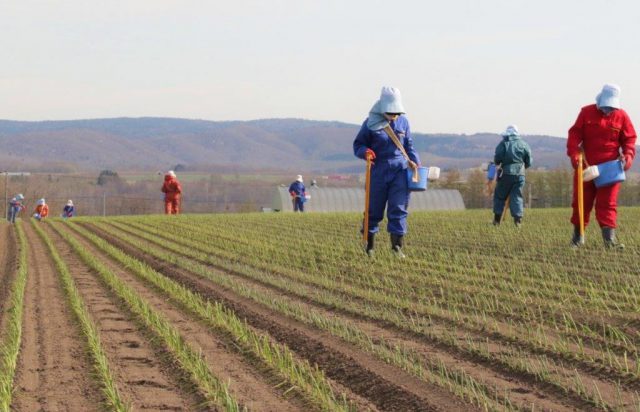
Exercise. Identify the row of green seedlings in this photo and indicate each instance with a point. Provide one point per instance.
(310, 381)
(608, 353)
(113, 399)
(532, 253)
(521, 365)
(457, 381)
(190, 360)
(514, 334)
(585, 331)
(505, 304)
(518, 365)
(299, 230)
(10, 346)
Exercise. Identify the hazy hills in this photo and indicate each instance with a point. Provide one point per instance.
(289, 144)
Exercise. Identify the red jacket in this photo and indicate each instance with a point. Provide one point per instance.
(171, 188)
(601, 136)
(42, 210)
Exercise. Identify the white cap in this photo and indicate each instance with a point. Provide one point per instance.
(171, 173)
(609, 96)
(391, 100)
(69, 202)
(41, 201)
(299, 178)
(511, 130)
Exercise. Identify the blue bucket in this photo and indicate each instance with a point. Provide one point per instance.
(610, 173)
(491, 171)
(421, 184)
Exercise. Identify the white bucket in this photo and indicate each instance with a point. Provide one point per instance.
(434, 173)
(590, 173)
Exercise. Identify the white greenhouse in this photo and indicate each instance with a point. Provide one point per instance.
(334, 199)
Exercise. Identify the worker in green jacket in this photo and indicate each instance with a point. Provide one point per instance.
(512, 156)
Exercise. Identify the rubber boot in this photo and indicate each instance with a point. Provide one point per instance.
(396, 245)
(497, 217)
(609, 237)
(576, 239)
(517, 220)
(370, 243)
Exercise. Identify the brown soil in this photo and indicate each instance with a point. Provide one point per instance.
(251, 385)
(54, 372)
(142, 378)
(387, 387)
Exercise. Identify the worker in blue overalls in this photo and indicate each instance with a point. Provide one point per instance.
(389, 185)
(298, 194)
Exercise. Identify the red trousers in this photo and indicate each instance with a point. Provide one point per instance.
(605, 198)
(172, 206)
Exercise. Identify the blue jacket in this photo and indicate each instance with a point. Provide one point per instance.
(386, 151)
(296, 188)
(513, 154)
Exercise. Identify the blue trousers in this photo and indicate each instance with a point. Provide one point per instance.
(13, 213)
(298, 204)
(389, 188)
(509, 186)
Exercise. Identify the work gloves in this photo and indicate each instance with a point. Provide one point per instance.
(369, 154)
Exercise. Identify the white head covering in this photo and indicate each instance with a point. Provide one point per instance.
(299, 178)
(41, 201)
(69, 202)
(171, 173)
(390, 102)
(511, 130)
(20, 196)
(609, 96)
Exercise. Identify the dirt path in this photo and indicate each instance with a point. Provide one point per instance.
(250, 386)
(54, 372)
(8, 250)
(385, 386)
(142, 378)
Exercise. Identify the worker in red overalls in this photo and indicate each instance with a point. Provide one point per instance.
(172, 192)
(603, 132)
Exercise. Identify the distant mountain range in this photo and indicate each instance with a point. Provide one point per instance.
(283, 144)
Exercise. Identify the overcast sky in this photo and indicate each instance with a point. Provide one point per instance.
(462, 66)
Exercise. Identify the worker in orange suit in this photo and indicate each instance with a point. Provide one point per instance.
(42, 210)
(172, 192)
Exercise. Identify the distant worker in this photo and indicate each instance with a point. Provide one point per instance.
(512, 157)
(603, 132)
(69, 210)
(172, 192)
(389, 184)
(298, 194)
(42, 210)
(15, 206)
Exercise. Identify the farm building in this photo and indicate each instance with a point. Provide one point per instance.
(352, 200)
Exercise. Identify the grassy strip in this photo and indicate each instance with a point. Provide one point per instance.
(11, 346)
(311, 381)
(456, 381)
(100, 362)
(193, 362)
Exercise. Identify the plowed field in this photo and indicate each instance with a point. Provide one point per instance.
(269, 312)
